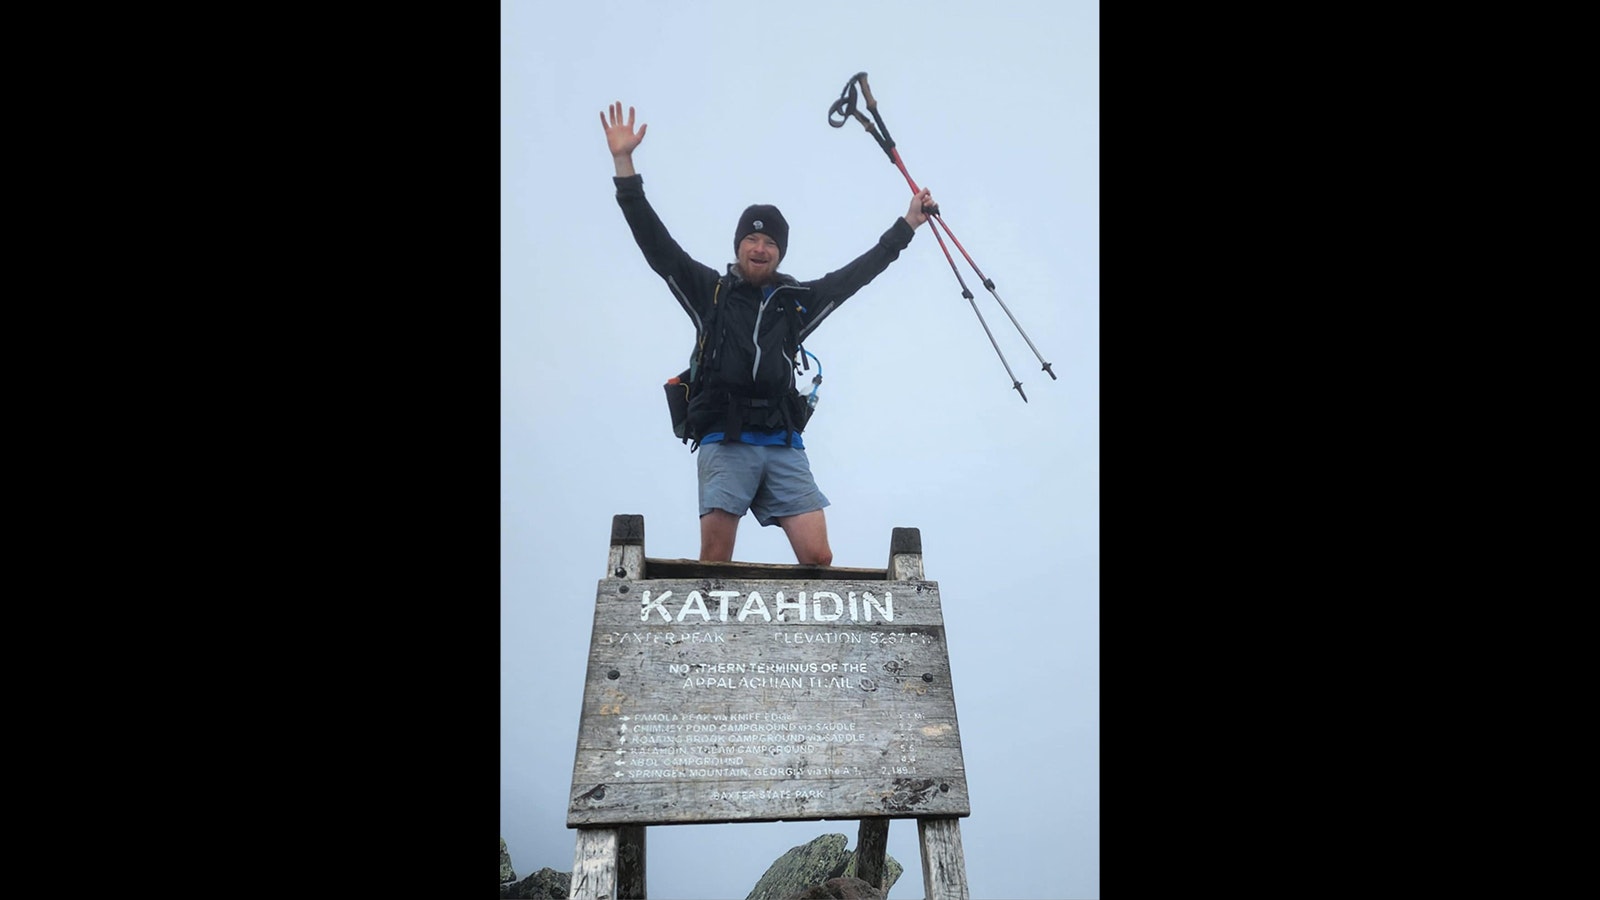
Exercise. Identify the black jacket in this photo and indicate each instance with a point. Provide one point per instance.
(734, 365)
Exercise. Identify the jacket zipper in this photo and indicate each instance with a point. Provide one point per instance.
(755, 336)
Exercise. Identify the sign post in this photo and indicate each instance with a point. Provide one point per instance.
(739, 692)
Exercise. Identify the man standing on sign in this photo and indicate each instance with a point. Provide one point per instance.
(744, 413)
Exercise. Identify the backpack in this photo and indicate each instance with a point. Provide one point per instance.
(790, 412)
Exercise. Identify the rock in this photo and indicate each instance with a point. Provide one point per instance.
(813, 865)
(802, 867)
(506, 872)
(545, 884)
(839, 889)
(891, 871)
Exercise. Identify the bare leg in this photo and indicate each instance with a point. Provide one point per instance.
(718, 528)
(808, 535)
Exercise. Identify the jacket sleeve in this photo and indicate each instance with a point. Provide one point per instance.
(832, 289)
(689, 281)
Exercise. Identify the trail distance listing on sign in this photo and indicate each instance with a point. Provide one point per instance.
(730, 700)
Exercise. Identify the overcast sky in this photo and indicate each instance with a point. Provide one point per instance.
(995, 107)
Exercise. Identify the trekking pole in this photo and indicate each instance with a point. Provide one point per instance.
(973, 303)
(989, 283)
(843, 109)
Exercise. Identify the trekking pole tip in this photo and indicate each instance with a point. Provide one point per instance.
(1018, 386)
(1052, 374)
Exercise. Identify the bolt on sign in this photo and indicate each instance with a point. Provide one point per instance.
(763, 700)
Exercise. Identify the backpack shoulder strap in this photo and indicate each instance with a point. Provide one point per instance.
(713, 320)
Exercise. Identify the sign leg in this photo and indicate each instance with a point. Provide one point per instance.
(872, 846)
(944, 867)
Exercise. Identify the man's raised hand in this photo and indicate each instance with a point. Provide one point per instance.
(620, 136)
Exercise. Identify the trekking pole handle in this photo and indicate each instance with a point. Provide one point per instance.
(861, 78)
(845, 106)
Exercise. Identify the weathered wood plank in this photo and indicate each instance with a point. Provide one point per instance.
(609, 863)
(905, 540)
(684, 801)
(905, 555)
(747, 571)
(944, 867)
(726, 700)
(782, 737)
(793, 711)
(594, 865)
(626, 556)
(872, 847)
(627, 529)
(872, 659)
(691, 602)
(630, 862)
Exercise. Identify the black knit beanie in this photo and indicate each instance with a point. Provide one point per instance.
(765, 218)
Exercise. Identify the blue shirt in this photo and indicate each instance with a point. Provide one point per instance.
(759, 438)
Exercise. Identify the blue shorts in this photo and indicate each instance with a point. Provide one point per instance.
(772, 482)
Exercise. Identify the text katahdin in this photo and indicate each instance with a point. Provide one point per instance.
(823, 606)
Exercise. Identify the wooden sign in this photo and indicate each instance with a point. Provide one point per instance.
(732, 700)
